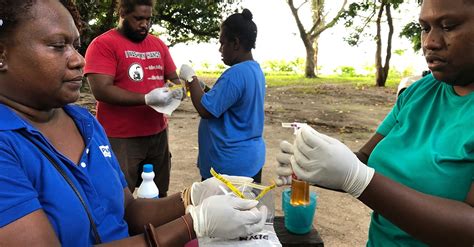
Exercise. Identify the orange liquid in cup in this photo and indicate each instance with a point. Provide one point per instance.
(299, 192)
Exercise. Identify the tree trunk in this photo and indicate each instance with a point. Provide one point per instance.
(379, 72)
(382, 72)
(386, 67)
(310, 60)
(310, 38)
(317, 7)
(316, 51)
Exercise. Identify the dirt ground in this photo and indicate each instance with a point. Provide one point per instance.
(345, 112)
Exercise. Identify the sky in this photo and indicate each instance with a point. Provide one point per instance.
(278, 39)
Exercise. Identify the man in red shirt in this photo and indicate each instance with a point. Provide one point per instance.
(127, 68)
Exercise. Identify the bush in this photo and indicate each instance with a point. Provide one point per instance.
(346, 71)
(277, 66)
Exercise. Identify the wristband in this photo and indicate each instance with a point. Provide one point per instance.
(187, 226)
(186, 197)
(150, 235)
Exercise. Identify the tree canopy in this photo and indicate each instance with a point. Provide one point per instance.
(185, 21)
(367, 12)
(412, 31)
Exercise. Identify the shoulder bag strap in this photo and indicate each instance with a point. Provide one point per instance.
(73, 187)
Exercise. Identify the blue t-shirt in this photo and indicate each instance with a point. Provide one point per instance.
(428, 146)
(29, 182)
(231, 142)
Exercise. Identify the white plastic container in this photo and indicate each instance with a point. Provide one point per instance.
(148, 188)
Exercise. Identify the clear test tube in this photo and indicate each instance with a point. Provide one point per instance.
(299, 192)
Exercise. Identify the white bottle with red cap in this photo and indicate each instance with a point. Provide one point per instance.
(148, 188)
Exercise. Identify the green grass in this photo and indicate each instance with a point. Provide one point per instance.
(278, 80)
(286, 80)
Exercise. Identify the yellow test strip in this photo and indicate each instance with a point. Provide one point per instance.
(236, 191)
(264, 191)
(227, 183)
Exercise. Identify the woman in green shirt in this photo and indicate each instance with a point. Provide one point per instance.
(419, 177)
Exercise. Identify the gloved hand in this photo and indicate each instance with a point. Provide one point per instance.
(212, 186)
(175, 88)
(284, 170)
(186, 72)
(159, 96)
(179, 93)
(227, 217)
(325, 161)
(169, 84)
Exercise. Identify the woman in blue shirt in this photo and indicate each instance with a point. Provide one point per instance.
(60, 183)
(232, 112)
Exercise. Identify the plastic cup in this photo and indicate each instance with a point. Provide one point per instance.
(298, 219)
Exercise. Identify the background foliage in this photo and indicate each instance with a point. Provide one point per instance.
(184, 21)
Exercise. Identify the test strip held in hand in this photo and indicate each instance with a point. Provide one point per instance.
(236, 191)
(264, 191)
(227, 183)
(296, 126)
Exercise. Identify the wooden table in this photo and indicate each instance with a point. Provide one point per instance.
(288, 239)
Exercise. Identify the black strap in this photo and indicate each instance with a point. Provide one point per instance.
(73, 187)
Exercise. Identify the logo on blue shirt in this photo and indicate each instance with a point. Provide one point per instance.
(105, 151)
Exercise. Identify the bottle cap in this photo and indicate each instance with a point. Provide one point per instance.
(148, 168)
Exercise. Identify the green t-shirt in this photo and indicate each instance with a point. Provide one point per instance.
(428, 146)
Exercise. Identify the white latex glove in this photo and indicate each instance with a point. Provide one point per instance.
(283, 170)
(213, 186)
(325, 161)
(175, 87)
(186, 72)
(178, 93)
(159, 96)
(227, 217)
(169, 84)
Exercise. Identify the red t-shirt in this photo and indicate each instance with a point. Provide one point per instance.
(136, 67)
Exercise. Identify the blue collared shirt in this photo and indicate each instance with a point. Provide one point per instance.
(29, 182)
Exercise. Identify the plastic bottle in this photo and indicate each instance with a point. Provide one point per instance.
(148, 188)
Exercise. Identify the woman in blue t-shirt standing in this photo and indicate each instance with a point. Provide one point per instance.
(232, 112)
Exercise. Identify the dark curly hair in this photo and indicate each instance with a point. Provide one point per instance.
(240, 25)
(13, 12)
(128, 6)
